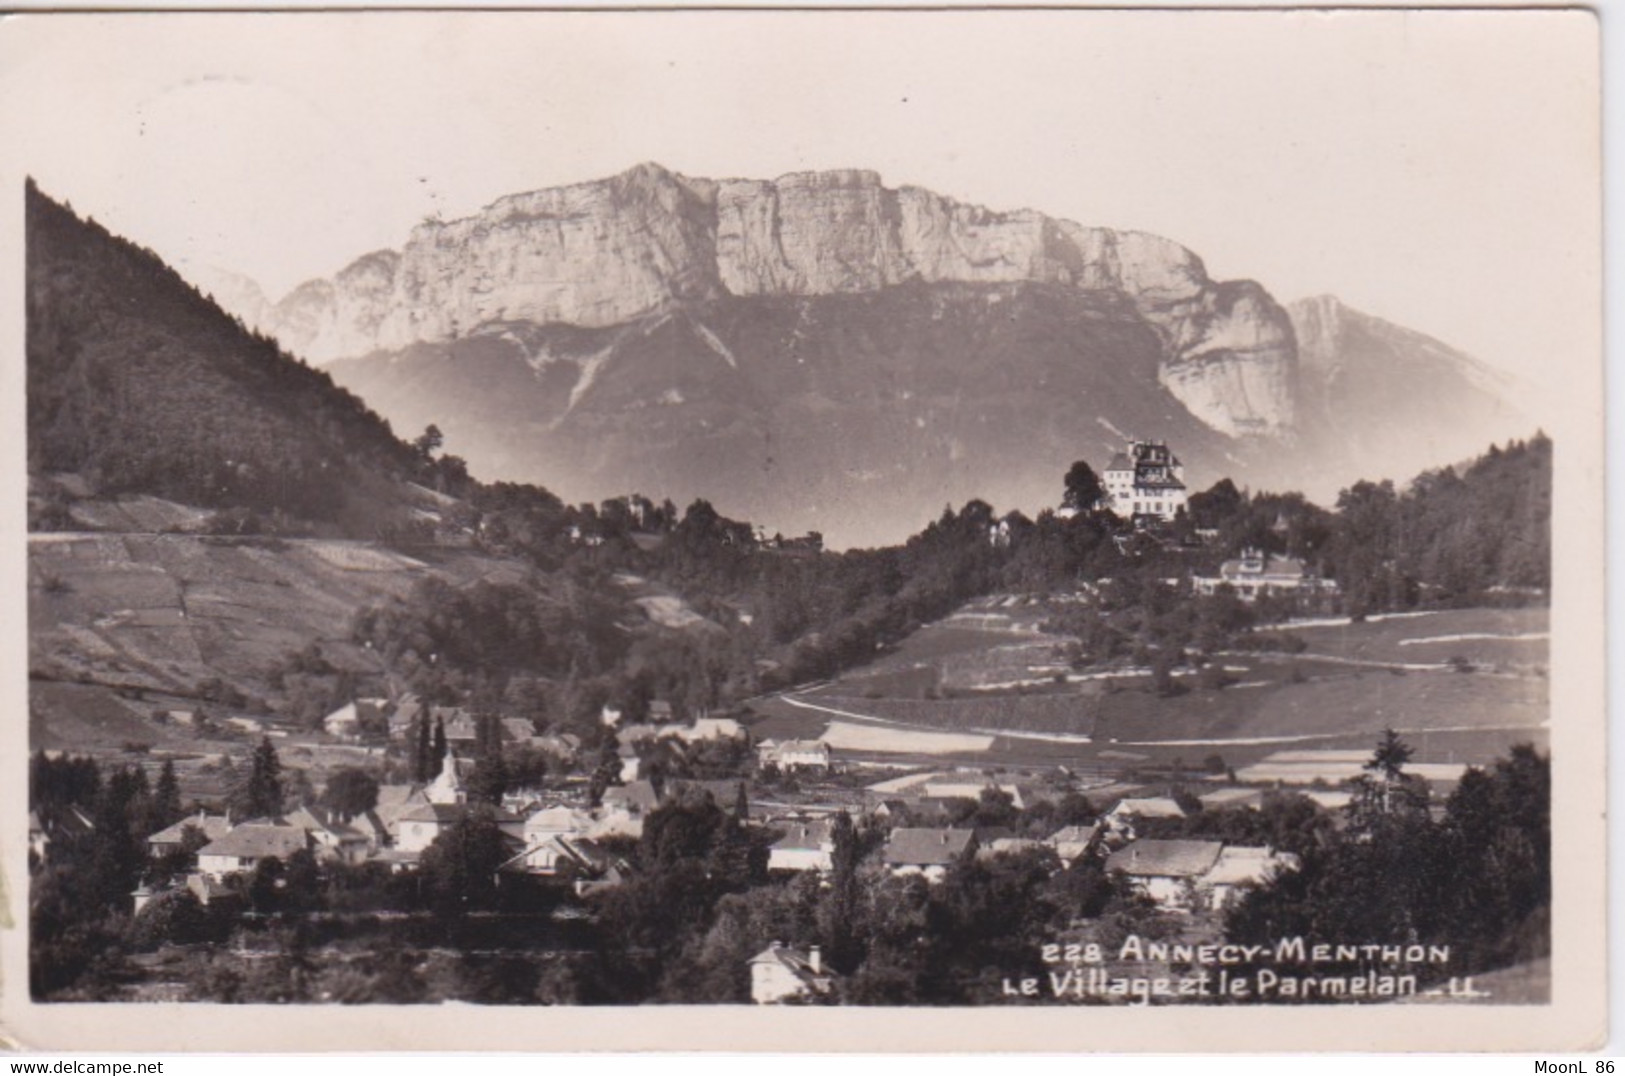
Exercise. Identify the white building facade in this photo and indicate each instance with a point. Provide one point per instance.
(1146, 480)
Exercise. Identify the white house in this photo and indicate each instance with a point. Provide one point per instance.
(548, 836)
(1166, 871)
(331, 837)
(1146, 807)
(1239, 867)
(927, 851)
(211, 826)
(1071, 842)
(418, 827)
(349, 721)
(794, 754)
(714, 728)
(1256, 573)
(779, 973)
(805, 846)
(1146, 480)
(247, 845)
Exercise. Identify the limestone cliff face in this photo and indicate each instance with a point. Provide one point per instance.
(1238, 372)
(1229, 350)
(603, 253)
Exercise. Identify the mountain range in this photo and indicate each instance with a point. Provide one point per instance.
(823, 352)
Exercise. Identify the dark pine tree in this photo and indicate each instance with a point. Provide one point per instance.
(421, 746)
(260, 794)
(166, 799)
(439, 749)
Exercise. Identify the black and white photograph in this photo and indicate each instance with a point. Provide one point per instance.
(1043, 522)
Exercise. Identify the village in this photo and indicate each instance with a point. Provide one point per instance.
(582, 841)
(395, 805)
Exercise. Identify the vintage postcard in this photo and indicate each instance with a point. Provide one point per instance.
(803, 529)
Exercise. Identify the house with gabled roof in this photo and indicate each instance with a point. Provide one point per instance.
(169, 839)
(550, 837)
(780, 973)
(794, 754)
(1132, 808)
(46, 827)
(422, 824)
(352, 720)
(1071, 843)
(714, 728)
(246, 846)
(1166, 871)
(393, 802)
(332, 837)
(805, 846)
(1256, 573)
(1239, 868)
(927, 851)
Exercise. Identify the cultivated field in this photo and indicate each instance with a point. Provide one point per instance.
(1462, 685)
(159, 614)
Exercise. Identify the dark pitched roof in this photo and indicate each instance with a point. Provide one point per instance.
(1268, 567)
(925, 847)
(256, 840)
(808, 836)
(212, 826)
(444, 813)
(1165, 859)
(639, 795)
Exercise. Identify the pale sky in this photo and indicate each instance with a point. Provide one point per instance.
(1437, 169)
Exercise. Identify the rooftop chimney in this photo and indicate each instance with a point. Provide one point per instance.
(815, 960)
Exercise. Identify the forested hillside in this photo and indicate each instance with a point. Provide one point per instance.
(140, 384)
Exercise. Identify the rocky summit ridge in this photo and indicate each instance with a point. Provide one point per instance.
(649, 240)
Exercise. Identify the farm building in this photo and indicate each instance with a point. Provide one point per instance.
(1071, 842)
(926, 851)
(247, 845)
(1239, 867)
(211, 826)
(794, 754)
(1166, 871)
(1256, 573)
(805, 846)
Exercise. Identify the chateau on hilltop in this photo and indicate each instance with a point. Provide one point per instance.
(1147, 480)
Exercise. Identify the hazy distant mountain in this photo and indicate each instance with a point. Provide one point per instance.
(1391, 400)
(823, 351)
